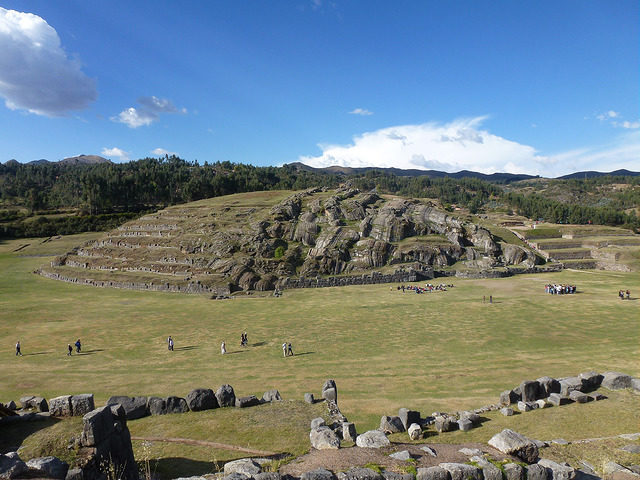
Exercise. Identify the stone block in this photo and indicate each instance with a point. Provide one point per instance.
(372, 439)
(391, 424)
(549, 385)
(513, 443)
(465, 424)
(176, 405)
(246, 466)
(226, 396)
(531, 391)
(248, 401)
(135, 407)
(414, 431)
(445, 424)
(82, 404)
(610, 380)
(462, 471)
(157, 406)
(508, 397)
(318, 422)
(271, 396)
(536, 472)
(579, 397)
(50, 467)
(513, 471)
(433, 473)
(570, 384)
(407, 417)
(318, 474)
(201, 399)
(590, 381)
(360, 473)
(558, 399)
(323, 438)
(506, 411)
(308, 397)
(97, 426)
(60, 406)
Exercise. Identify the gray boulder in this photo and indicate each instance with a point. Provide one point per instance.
(474, 417)
(248, 401)
(318, 474)
(506, 411)
(201, 399)
(464, 424)
(508, 397)
(513, 471)
(135, 407)
(401, 455)
(462, 471)
(226, 396)
(176, 405)
(569, 384)
(556, 471)
(349, 433)
(323, 438)
(531, 391)
(513, 443)
(542, 403)
(330, 391)
(579, 397)
(318, 422)
(308, 397)
(610, 380)
(359, 473)
(157, 406)
(245, 466)
(25, 401)
(407, 417)
(97, 426)
(82, 404)
(536, 472)
(50, 467)
(445, 424)
(391, 424)
(74, 474)
(429, 451)
(387, 475)
(489, 470)
(11, 405)
(590, 381)
(558, 399)
(231, 476)
(11, 466)
(267, 476)
(433, 473)
(524, 406)
(372, 439)
(271, 396)
(60, 406)
(415, 432)
(549, 385)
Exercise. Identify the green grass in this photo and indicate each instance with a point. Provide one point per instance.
(537, 233)
(443, 351)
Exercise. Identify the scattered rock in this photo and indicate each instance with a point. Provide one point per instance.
(317, 423)
(135, 407)
(201, 399)
(513, 443)
(462, 471)
(513, 471)
(445, 424)
(391, 424)
(11, 466)
(429, 451)
(549, 385)
(415, 432)
(407, 417)
(323, 438)
(349, 433)
(50, 467)
(402, 455)
(590, 381)
(318, 474)
(226, 396)
(176, 405)
(372, 439)
(558, 399)
(470, 452)
(536, 472)
(272, 396)
(524, 406)
(432, 473)
(60, 406)
(579, 397)
(556, 471)
(246, 466)
(359, 473)
(157, 406)
(530, 391)
(506, 411)
(330, 391)
(508, 397)
(308, 397)
(249, 401)
(569, 384)
(631, 448)
(465, 424)
(82, 404)
(611, 380)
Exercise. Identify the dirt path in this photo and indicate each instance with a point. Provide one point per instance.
(204, 443)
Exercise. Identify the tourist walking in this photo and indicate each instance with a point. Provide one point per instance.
(170, 343)
(70, 349)
(290, 350)
(223, 348)
(284, 349)
(78, 346)
(18, 352)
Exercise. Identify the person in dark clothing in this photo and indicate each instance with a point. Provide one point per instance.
(78, 346)
(70, 349)
(18, 352)
(290, 350)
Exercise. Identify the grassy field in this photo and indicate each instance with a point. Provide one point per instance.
(442, 351)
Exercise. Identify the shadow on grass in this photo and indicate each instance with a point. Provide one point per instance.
(174, 467)
(13, 434)
(35, 353)
(259, 344)
(235, 351)
(89, 352)
(303, 353)
(186, 347)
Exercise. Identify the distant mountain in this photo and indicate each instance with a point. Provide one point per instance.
(84, 160)
(592, 174)
(494, 177)
(38, 162)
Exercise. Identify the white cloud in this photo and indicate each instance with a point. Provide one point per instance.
(464, 145)
(360, 111)
(35, 73)
(161, 152)
(115, 152)
(608, 115)
(149, 112)
(628, 125)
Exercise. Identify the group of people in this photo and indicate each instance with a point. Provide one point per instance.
(70, 348)
(555, 289)
(428, 288)
(287, 350)
(622, 293)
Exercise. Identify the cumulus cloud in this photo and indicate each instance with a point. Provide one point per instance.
(148, 112)
(161, 152)
(360, 111)
(36, 74)
(608, 115)
(464, 145)
(115, 152)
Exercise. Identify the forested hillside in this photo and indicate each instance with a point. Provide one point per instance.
(45, 198)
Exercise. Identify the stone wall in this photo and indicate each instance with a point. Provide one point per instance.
(365, 279)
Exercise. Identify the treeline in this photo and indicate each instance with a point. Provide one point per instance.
(103, 195)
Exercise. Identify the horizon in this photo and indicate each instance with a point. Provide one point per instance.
(545, 89)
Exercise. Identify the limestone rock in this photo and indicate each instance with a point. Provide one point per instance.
(462, 471)
(372, 439)
(513, 443)
(97, 426)
(513, 471)
(271, 396)
(11, 466)
(432, 473)
(349, 433)
(590, 381)
(25, 401)
(318, 422)
(556, 471)
(569, 384)
(490, 471)
(323, 438)
(82, 404)
(428, 450)
(508, 397)
(201, 399)
(579, 397)
(530, 391)
(506, 411)
(60, 406)
(359, 473)
(471, 452)
(407, 417)
(387, 475)
(415, 432)
(445, 424)
(549, 385)
(536, 472)
(464, 424)
(157, 406)
(308, 397)
(391, 424)
(176, 405)
(50, 467)
(246, 466)
(401, 455)
(267, 476)
(558, 399)
(318, 474)
(226, 396)
(330, 391)
(248, 401)
(611, 380)
(135, 407)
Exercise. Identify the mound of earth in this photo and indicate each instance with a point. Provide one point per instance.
(262, 240)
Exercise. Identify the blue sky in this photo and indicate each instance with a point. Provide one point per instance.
(526, 87)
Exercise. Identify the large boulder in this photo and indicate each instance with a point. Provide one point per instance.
(60, 406)
(591, 381)
(49, 467)
(556, 471)
(391, 424)
(531, 391)
(536, 472)
(611, 380)
(360, 473)
(513, 471)
(97, 426)
(248, 401)
(176, 405)
(135, 407)
(318, 474)
(246, 466)
(508, 397)
(433, 473)
(569, 384)
(408, 417)
(317, 423)
(549, 385)
(323, 438)
(414, 431)
(272, 396)
(157, 406)
(372, 439)
(201, 399)
(513, 443)
(445, 424)
(462, 471)
(226, 396)
(349, 433)
(82, 404)
(11, 466)
(330, 391)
